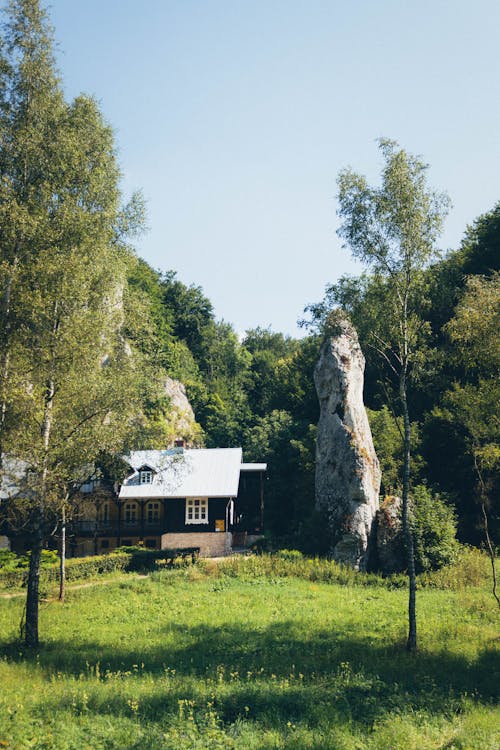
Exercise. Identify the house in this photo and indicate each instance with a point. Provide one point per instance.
(12, 485)
(177, 498)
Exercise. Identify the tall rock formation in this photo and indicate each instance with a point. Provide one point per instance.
(181, 418)
(347, 468)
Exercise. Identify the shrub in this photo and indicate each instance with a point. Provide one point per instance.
(434, 529)
(471, 567)
(261, 545)
(77, 568)
(10, 561)
(289, 554)
(142, 559)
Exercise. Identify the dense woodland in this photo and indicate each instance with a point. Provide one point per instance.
(89, 332)
(259, 393)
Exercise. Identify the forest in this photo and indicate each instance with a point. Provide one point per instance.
(259, 392)
(90, 331)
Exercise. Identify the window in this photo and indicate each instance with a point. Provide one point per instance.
(146, 476)
(104, 543)
(103, 514)
(130, 513)
(150, 543)
(197, 510)
(152, 513)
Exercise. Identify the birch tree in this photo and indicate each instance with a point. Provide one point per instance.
(393, 230)
(475, 404)
(67, 380)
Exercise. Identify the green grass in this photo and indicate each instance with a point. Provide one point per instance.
(206, 659)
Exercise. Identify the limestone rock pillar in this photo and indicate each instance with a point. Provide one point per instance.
(347, 468)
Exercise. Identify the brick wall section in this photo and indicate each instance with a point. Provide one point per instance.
(211, 544)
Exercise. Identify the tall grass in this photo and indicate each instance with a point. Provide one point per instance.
(250, 654)
(471, 568)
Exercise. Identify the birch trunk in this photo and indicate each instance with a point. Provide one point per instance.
(5, 359)
(62, 563)
(33, 594)
(411, 643)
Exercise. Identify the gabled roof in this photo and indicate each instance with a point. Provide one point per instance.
(200, 472)
(144, 467)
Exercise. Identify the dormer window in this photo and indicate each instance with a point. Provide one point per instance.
(146, 476)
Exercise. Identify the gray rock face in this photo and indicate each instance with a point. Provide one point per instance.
(181, 417)
(347, 468)
(390, 546)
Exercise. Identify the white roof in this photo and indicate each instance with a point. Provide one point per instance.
(13, 477)
(253, 467)
(200, 472)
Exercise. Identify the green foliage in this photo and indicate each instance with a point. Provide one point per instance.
(289, 554)
(453, 379)
(393, 230)
(480, 249)
(191, 314)
(9, 560)
(464, 567)
(14, 568)
(470, 567)
(69, 385)
(474, 328)
(62, 228)
(434, 529)
(387, 433)
(472, 405)
(142, 559)
(176, 663)
(288, 446)
(77, 568)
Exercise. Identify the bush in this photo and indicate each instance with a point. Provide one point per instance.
(77, 568)
(289, 554)
(471, 567)
(434, 528)
(14, 568)
(142, 559)
(261, 545)
(10, 561)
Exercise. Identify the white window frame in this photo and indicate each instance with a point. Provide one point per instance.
(146, 476)
(196, 510)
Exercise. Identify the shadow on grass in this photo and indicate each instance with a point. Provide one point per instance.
(279, 675)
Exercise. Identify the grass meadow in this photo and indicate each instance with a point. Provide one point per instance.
(247, 656)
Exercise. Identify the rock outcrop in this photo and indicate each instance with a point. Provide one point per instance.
(390, 547)
(181, 418)
(347, 468)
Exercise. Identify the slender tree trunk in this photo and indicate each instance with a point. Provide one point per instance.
(411, 643)
(491, 551)
(5, 357)
(62, 562)
(32, 598)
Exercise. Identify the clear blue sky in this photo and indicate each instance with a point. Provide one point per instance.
(234, 118)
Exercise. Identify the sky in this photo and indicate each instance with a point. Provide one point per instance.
(234, 117)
